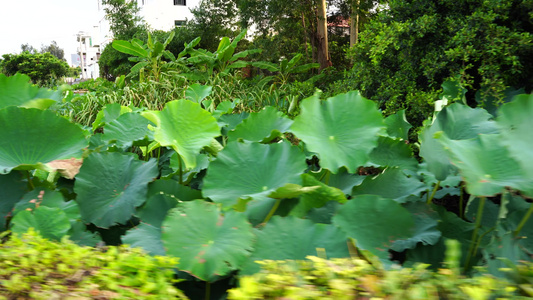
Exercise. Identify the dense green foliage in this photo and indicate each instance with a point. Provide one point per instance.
(40, 67)
(32, 267)
(411, 48)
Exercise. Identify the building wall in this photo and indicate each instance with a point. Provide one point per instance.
(163, 14)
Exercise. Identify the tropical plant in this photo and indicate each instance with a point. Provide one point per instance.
(284, 69)
(222, 190)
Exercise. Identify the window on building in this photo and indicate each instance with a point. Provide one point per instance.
(180, 2)
(179, 23)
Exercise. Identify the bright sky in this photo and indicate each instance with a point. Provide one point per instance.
(37, 22)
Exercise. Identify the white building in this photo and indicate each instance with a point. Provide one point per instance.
(158, 14)
(89, 52)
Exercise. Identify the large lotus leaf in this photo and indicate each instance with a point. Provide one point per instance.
(155, 209)
(516, 122)
(110, 186)
(503, 249)
(393, 153)
(18, 91)
(31, 137)
(425, 232)
(229, 122)
(486, 165)
(252, 170)
(317, 197)
(342, 130)
(11, 190)
(392, 183)
(187, 128)
(208, 244)
(263, 126)
(458, 122)
(397, 125)
(490, 215)
(375, 223)
(126, 129)
(295, 239)
(50, 222)
(109, 113)
(202, 162)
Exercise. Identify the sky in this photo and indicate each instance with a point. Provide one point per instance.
(38, 22)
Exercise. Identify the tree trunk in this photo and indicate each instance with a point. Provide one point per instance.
(354, 22)
(322, 35)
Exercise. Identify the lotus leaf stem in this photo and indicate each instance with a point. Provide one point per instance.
(207, 290)
(461, 201)
(272, 211)
(524, 220)
(433, 193)
(181, 169)
(479, 216)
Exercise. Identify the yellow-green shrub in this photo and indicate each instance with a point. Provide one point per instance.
(32, 267)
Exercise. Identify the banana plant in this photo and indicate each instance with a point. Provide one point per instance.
(285, 69)
(149, 56)
(223, 59)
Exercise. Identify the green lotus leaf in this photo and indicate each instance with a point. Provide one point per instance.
(392, 183)
(341, 130)
(486, 165)
(147, 237)
(393, 153)
(317, 197)
(263, 126)
(252, 171)
(229, 122)
(45, 197)
(208, 244)
(515, 119)
(110, 185)
(127, 129)
(17, 90)
(202, 162)
(458, 122)
(375, 223)
(12, 188)
(197, 92)
(295, 239)
(291, 190)
(79, 234)
(187, 128)
(31, 138)
(398, 126)
(50, 222)
(342, 180)
(172, 188)
(154, 211)
(109, 113)
(425, 231)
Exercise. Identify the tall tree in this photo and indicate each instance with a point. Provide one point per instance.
(123, 18)
(54, 49)
(28, 48)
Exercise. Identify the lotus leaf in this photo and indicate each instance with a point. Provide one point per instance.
(147, 237)
(17, 90)
(375, 223)
(263, 126)
(50, 222)
(486, 165)
(293, 238)
(317, 197)
(341, 130)
(458, 122)
(109, 113)
(425, 231)
(252, 170)
(398, 185)
(127, 129)
(208, 243)
(197, 92)
(11, 190)
(31, 138)
(397, 125)
(186, 127)
(515, 120)
(393, 153)
(110, 185)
